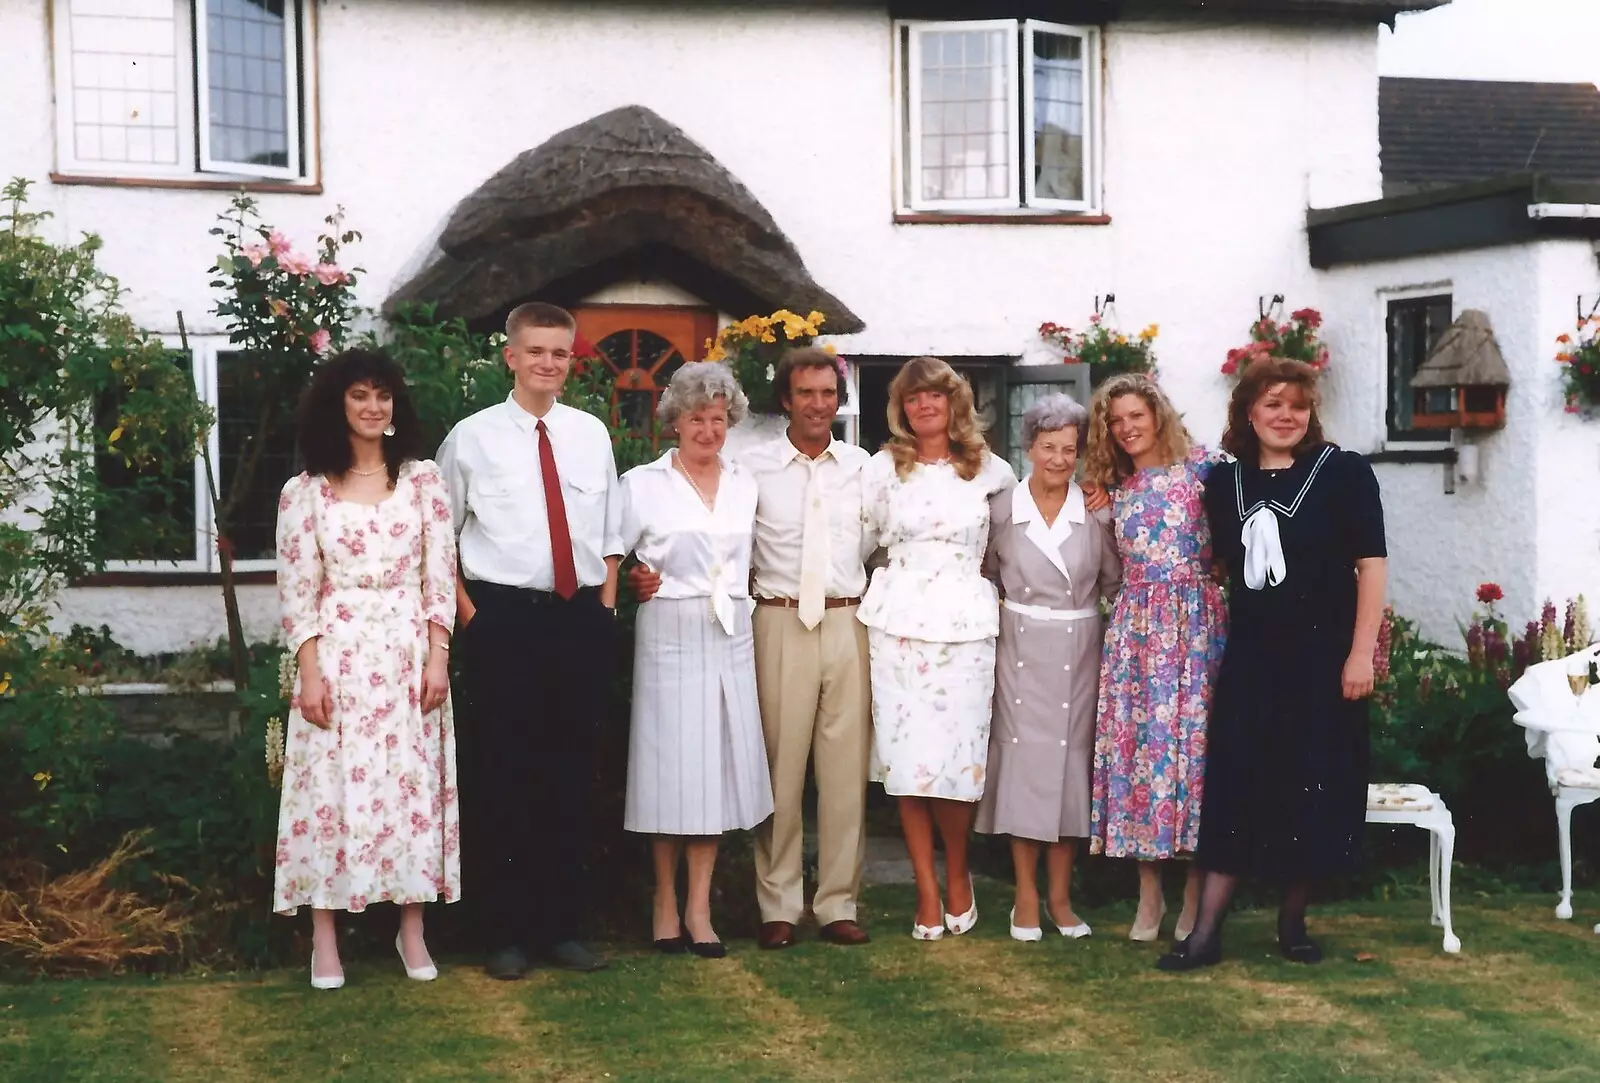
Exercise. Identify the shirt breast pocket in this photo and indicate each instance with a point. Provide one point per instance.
(586, 500)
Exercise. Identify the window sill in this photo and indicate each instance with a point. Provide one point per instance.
(199, 184)
(155, 577)
(1431, 455)
(948, 218)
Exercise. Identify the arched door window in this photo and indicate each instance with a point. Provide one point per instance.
(643, 345)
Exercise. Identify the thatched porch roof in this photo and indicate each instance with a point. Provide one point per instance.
(623, 194)
(1466, 355)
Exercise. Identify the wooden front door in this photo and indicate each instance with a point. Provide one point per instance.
(643, 345)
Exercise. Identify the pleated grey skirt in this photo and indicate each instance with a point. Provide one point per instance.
(697, 761)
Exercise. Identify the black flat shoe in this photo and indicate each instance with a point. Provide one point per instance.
(713, 949)
(672, 945)
(1181, 958)
(1304, 950)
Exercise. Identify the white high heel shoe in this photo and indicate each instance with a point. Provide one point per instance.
(965, 922)
(1073, 932)
(335, 982)
(415, 973)
(1027, 936)
(926, 932)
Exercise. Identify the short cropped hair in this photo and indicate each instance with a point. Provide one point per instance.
(1052, 414)
(538, 314)
(698, 384)
(806, 357)
(324, 432)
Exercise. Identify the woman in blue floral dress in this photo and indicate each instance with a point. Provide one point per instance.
(1163, 645)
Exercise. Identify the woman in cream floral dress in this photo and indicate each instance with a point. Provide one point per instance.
(932, 619)
(366, 580)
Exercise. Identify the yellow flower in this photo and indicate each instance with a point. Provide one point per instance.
(768, 336)
(42, 778)
(714, 351)
(830, 348)
(815, 318)
(1150, 332)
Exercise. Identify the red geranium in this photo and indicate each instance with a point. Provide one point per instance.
(1490, 593)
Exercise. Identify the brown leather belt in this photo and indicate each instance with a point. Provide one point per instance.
(794, 603)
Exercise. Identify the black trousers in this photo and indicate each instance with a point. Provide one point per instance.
(538, 676)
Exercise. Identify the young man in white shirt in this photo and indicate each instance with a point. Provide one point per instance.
(811, 652)
(538, 512)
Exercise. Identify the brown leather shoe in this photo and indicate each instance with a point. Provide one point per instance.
(843, 932)
(775, 935)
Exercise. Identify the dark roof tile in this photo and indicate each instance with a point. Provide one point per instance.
(1451, 131)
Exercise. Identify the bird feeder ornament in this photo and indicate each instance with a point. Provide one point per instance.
(1463, 382)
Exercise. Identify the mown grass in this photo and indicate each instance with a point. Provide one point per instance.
(1522, 1002)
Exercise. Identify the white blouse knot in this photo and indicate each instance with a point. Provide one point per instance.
(1263, 550)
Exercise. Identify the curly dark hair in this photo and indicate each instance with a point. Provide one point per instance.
(325, 434)
(1239, 438)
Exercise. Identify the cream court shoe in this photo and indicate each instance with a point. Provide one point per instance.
(1146, 933)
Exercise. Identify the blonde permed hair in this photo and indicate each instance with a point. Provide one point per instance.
(968, 448)
(1107, 465)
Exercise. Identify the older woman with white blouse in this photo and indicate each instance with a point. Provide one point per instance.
(697, 763)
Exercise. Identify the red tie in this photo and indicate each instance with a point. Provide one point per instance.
(560, 537)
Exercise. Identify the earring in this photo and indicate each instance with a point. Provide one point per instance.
(390, 430)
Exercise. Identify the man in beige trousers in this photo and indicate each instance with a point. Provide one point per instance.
(811, 652)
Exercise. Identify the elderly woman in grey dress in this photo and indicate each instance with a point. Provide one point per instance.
(697, 763)
(1053, 561)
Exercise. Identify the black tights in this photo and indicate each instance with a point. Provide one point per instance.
(1216, 893)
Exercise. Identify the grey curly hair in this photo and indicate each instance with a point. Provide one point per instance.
(698, 384)
(1053, 413)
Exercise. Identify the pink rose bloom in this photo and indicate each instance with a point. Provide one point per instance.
(329, 274)
(278, 242)
(295, 263)
(321, 340)
(255, 253)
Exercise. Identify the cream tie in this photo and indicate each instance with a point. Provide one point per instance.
(1263, 550)
(813, 551)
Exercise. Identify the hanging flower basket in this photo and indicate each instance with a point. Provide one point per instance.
(1107, 352)
(752, 347)
(1580, 367)
(1295, 340)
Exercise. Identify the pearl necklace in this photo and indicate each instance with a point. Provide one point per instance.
(368, 473)
(678, 462)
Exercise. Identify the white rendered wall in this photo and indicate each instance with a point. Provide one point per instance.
(1529, 522)
(1217, 137)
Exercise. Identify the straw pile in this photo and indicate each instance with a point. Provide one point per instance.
(79, 923)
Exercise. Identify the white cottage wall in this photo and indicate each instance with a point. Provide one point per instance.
(1499, 527)
(1568, 552)
(1216, 136)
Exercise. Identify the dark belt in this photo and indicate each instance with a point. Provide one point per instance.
(481, 588)
(794, 603)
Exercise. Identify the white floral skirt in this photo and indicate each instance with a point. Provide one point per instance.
(931, 706)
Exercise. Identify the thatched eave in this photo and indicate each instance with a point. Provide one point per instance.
(619, 192)
(1466, 355)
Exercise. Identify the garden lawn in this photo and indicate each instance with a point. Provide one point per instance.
(1521, 1002)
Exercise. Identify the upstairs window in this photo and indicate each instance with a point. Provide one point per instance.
(997, 115)
(173, 89)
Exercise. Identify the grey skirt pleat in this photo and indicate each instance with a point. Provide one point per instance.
(697, 761)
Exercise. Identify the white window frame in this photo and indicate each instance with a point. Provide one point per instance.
(202, 559)
(204, 350)
(1091, 97)
(909, 32)
(906, 71)
(293, 63)
(195, 161)
(1407, 293)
